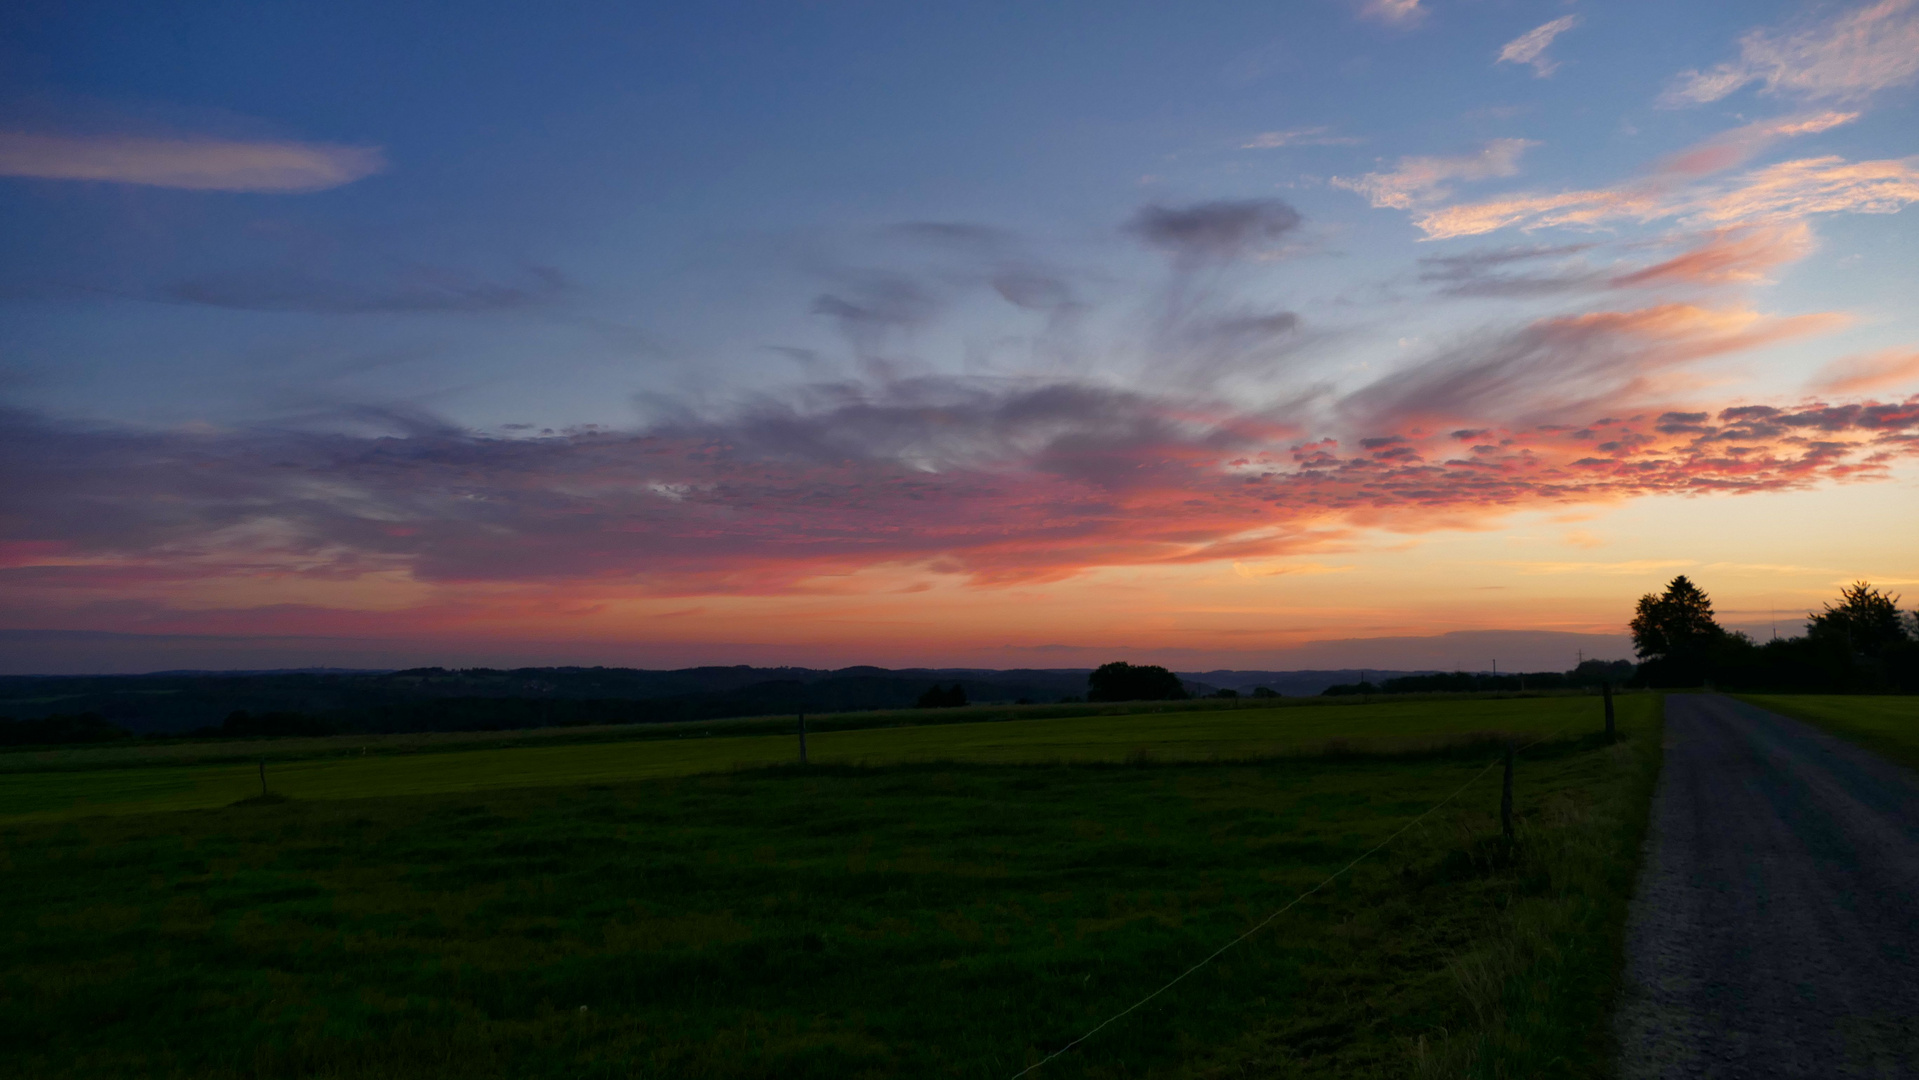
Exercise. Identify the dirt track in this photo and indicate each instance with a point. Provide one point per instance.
(1775, 931)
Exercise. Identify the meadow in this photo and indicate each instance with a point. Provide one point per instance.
(1885, 724)
(953, 900)
(53, 784)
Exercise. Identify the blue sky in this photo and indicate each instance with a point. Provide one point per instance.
(513, 222)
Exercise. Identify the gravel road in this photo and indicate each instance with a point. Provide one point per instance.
(1775, 931)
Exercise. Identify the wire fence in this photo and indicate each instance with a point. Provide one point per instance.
(1290, 905)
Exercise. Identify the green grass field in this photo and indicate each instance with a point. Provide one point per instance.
(56, 784)
(931, 901)
(1887, 725)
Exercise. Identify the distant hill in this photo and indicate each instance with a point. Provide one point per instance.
(440, 699)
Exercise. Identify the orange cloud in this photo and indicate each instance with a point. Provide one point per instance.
(135, 522)
(1420, 179)
(1777, 193)
(1741, 144)
(1860, 374)
(1728, 256)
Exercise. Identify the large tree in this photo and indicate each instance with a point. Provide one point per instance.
(1121, 681)
(1676, 623)
(1865, 618)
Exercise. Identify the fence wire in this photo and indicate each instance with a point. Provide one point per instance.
(1290, 905)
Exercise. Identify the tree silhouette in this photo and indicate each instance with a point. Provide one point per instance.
(1866, 619)
(1121, 681)
(938, 697)
(1678, 623)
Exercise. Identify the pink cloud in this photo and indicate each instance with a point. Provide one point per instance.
(1421, 179)
(1039, 484)
(195, 164)
(1742, 144)
(1776, 193)
(1727, 256)
(1876, 371)
(1530, 47)
(1393, 12)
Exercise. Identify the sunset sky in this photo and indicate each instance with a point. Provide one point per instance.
(987, 334)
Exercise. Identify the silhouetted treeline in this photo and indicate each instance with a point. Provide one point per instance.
(479, 699)
(1590, 673)
(939, 697)
(1859, 644)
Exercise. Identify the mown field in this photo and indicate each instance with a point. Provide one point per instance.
(1887, 725)
(954, 901)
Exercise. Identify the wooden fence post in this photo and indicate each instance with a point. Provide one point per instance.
(1610, 733)
(802, 738)
(1506, 797)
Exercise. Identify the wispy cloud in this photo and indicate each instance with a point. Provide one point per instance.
(417, 289)
(1216, 231)
(1523, 270)
(1530, 47)
(1883, 370)
(1555, 369)
(1419, 180)
(1306, 136)
(1393, 12)
(195, 164)
(1846, 58)
(1633, 567)
(996, 482)
(1727, 256)
(1822, 185)
(1776, 193)
(1742, 144)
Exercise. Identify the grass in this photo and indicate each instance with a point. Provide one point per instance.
(200, 751)
(959, 917)
(1887, 725)
(40, 791)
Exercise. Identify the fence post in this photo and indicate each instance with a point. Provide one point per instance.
(1506, 797)
(1610, 734)
(263, 777)
(802, 738)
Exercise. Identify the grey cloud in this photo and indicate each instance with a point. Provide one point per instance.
(417, 290)
(1218, 231)
(1476, 274)
(951, 233)
(1032, 290)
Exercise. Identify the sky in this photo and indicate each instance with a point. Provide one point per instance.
(1396, 332)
